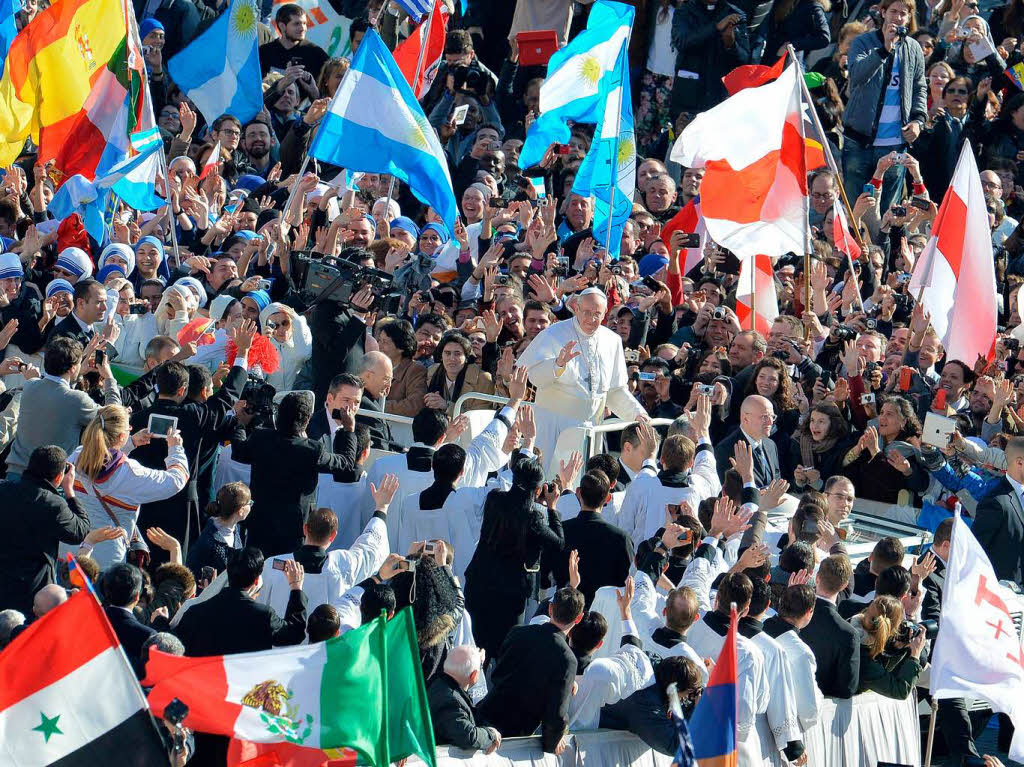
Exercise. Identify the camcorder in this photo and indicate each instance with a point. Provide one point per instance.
(259, 401)
(335, 279)
(471, 79)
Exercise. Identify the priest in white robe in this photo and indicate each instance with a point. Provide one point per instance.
(579, 369)
(794, 612)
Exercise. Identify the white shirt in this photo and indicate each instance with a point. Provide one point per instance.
(608, 680)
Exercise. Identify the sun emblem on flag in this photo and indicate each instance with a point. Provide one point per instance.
(280, 716)
(627, 149)
(418, 132)
(243, 19)
(590, 70)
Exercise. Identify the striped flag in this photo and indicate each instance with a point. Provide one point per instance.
(415, 8)
(757, 306)
(713, 723)
(844, 241)
(407, 52)
(132, 180)
(69, 697)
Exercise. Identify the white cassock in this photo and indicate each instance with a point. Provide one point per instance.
(592, 381)
(449, 523)
(608, 680)
(343, 569)
(345, 499)
(483, 455)
(643, 507)
(778, 725)
(752, 695)
(647, 607)
(701, 571)
(803, 667)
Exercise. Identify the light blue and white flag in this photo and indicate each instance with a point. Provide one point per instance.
(220, 69)
(8, 28)
(374, 124)
(608, 172)
(132, 180)
(571, 89)
(416, 8)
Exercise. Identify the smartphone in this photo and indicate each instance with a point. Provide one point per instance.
(99, 357)
(691, 241)
(867, 399)
(920, 203)
(459, 115)
(159, 425)
(295, 62)
(651, 284)
(278, 564)
(562, 149)
(939, 403)
(675, 510)
(906, 377)
(138, 309)
(207, 573)
(869, 190)
(649, 377)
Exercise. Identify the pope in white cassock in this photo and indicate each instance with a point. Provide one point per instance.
(579, 368)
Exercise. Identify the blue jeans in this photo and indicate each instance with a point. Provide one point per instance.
(859, 166)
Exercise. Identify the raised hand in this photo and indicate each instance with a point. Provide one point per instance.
(743, 461)
(574, 569)
(566, 355)
(567, 472)
(771, 496)
(517, 384)
(624, 598)
(383, 495)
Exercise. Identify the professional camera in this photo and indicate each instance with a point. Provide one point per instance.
(259, 401)
(840, 334)
(471, 79)
(336, 279)
(908, 629)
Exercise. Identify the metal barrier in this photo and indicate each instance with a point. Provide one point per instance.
(401, 431)
(497, 400)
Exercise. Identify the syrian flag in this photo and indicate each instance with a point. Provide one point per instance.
(955, 275)
(407, 53)
(756, 303)
(844, 242)
(754, 192)
(688, 220)
(211, 161)
(68, 696)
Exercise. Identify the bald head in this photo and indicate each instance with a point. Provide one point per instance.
(757, 415)
(463, 665)
(376, 371)
(47, 598)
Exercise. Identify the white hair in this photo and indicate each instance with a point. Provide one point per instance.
(462, 662)
(9, 620)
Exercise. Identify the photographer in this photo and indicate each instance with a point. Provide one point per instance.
(890, 649)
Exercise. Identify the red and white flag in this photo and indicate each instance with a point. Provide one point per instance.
(956, 270)
(978, 652)
(844, 241)
(211, 161)
(754, 191)
(688, 220)
(407, 52)
(757, 306)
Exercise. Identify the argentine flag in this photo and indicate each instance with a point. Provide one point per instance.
(375, 125)
(132, 179)
(220, 69)
(608, 172)
(571, 89)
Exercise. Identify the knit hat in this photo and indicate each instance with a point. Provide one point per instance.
(651, 263)
(148, 25)
(197, 287)
(219, 306)
(58, 286)
(104, 273)
(406, 224)
(260, 297)
(75, 261)
(121, 250)
(246, 234)
(10, 266)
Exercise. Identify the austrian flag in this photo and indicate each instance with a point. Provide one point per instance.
(68, 696)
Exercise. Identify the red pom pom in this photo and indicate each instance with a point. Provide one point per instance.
(262, 353)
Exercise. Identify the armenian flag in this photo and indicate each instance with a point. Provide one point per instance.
(73, 82)
(713, 723)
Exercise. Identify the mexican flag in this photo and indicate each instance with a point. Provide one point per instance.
(363, 690)
(68, 696)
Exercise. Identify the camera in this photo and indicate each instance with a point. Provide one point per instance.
(502, 280)
(259, 401)
(902, 32)
(720, 313)
(781, 354)
(841, 334)
(616, 270)
(337, 279)
(899, 210)
(138, 309)
(631, 356)
(471, 79)
(561, 267)
(870, 323)
(908, 630)
(706, 389)
(174, 714)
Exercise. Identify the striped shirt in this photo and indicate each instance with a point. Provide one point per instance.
(890, 119)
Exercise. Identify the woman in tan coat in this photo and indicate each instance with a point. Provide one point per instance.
(454, 375)
(409, 378)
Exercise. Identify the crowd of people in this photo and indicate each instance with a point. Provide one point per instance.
(227, 454)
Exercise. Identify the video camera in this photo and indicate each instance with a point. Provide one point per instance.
(335, 279)
(471, 79)
(259, 401)
(908, 630)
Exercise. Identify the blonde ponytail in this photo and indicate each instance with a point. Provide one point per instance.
(886, 623)
(101, 433)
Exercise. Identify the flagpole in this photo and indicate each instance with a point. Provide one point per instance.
(806, 198)
(424, 43)
(753, 294)
(171, 215)
(931, 733)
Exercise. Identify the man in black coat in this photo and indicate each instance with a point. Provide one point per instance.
(376, 374)
(999, 520)
(122, 587)
(451, 709)
(198, 422)
(90, 301)
(534, 674)
(339, 334)
(33, 521)
(757, 415)
(605, 551)
(833, 641)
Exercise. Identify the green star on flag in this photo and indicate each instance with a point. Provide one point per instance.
(48, 726)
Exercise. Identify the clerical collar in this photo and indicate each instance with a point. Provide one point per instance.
(749, 627)
(717, 622)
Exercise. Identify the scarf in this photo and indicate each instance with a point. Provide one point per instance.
(114, 459)
(809, 448)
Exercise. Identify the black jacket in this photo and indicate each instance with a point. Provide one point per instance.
(285, 471)
(339, 341)
(999, 528)
(131, 633)
(643, 714)
(232, 622)
(931, 605)
(606, 553)
(380, 429)
(208, 551)
(531, 685)
(69, 328)
(836, 650)
(27, 308)
(700, 50)
(34, 519)
(451, 712)
(763, 476)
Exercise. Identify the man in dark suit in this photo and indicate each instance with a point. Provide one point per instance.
(34, 521)
(757, 415)
(451, 709)
(833, 641)
(639, 453)
(122, 587)
(344, 393)
(90, 307)
(645, 712)
(286, 466)
(198, 422)
(534, 674)
(999, 520)
(376, 373)
(931, 604)
(605, 551)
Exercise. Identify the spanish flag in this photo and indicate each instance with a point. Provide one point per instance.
(55, 79)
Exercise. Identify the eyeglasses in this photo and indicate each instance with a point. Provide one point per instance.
(590, 315)
(958, 91)
(230, 132)
(823, 195)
